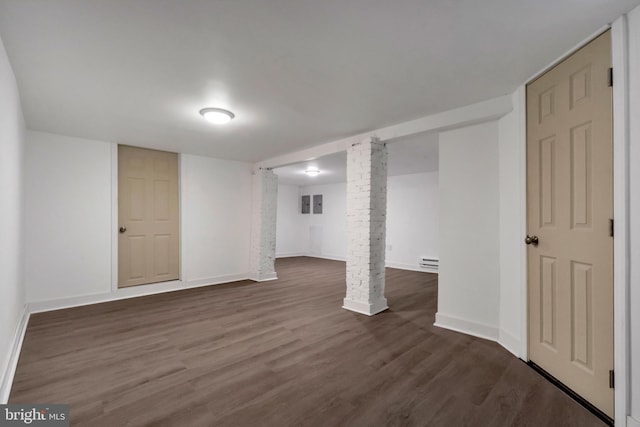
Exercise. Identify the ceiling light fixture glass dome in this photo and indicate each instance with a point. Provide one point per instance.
(217, 116)
(312, 171)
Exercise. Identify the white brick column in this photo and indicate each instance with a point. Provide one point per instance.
(366, 226)
(264, 204)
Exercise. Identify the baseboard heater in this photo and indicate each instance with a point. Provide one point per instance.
(428, 263)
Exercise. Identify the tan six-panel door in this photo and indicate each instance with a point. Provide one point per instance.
(569, 207)
(148, 216)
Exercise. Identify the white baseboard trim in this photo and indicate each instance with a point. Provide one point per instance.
(509, 342)
(331, 257)
(14, 354)
(632, 422)
(410, 267)
(466, 327)
(366, 308)
(291, 255)
(265, 277)
(229, 278)
(132, 292)
(398, 265)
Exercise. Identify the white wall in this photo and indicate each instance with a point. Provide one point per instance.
(69, 229)
(634, 208)
(215, 217)
(469, 281)
(11, 214)
(412, 219)
(325, 235)
(289, 241)
(512, 188)
(68, 216)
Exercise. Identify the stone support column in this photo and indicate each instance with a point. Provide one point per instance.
(366, 226)
(263, 225)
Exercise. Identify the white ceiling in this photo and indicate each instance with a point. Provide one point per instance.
(333, 169)
(295, 72)
(407, 155)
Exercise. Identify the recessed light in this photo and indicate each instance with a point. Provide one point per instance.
(312, 171)
(217, 116)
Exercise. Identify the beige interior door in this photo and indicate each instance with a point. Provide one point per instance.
(569, 207)
(148, 216)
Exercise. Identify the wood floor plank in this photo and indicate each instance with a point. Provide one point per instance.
(280, 353)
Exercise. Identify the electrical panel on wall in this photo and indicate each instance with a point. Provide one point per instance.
(306, 204)
(317, 203)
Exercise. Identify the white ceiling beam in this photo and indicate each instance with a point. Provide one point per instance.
(491, 109)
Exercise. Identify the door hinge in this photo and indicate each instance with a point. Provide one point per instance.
(612, 379)
(611, 227)
(610, 77)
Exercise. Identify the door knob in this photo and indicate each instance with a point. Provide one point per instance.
(123, 229)
(531, 240)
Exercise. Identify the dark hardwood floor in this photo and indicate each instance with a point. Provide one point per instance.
(280, 353)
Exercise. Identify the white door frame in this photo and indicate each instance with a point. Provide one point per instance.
(621, 247)
(115, 225)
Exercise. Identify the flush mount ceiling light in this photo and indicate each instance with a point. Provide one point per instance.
(217, 116)
(312, 171)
